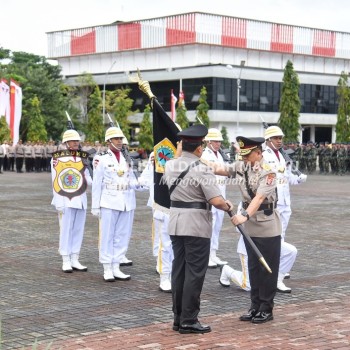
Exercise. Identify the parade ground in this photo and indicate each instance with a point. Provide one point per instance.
(41, 305)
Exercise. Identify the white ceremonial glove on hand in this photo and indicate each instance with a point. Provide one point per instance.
(96, 212)
(60, 210)
(302, 178)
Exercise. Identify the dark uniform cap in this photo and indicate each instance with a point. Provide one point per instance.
(246, 144)
(193, 133)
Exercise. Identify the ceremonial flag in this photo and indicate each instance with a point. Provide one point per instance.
(165, 141)
(5, 100)
(15, 110)
(173, 101)
(181, 98)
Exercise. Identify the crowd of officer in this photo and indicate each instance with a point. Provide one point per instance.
(35, 156)
(311, 158)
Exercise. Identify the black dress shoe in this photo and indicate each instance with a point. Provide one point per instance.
(126, 263)
(262, 317)
(194, 328)
(249, 316)
(176, 326)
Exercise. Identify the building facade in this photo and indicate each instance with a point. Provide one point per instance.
(237, 60)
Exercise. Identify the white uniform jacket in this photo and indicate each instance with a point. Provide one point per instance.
(284, 178)
(114, 183)
(209, 155)
(77, 202)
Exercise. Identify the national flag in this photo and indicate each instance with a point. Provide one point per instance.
(181, 98)
(173, 101)
(165, 141)
(5, 100)
(15, 110)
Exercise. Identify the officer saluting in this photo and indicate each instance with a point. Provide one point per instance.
(193, 189)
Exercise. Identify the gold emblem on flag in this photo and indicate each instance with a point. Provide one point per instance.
(163, 151)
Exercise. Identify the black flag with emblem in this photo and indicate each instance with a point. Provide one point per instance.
(165, 140)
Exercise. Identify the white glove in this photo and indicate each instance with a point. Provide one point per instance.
(302, 178)
(96, 212)
(60, 210)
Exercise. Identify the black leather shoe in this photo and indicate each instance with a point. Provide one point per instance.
(176, 326)
(262, 317)
(249, 316)
(194, 328)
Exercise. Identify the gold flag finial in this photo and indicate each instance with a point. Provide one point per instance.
(143, 84)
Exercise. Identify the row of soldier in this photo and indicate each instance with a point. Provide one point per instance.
(35, 156)
(331, 158)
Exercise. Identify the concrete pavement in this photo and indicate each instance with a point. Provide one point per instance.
(81, 311)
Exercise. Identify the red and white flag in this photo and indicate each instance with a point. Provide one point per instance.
(15, 110)
(181, 98)
(5, 100)
(173, 101)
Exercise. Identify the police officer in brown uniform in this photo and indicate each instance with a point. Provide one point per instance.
(192, 192)
(261, 221)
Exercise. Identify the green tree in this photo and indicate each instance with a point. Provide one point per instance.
(203, 108)
(145, 136)
(226, 142)
(5, 132)
(119, 104)
(181, 117)
(290, 104)
(342, 126)
(39, 78)
(36, 127)
(95, 130)
(82, 92)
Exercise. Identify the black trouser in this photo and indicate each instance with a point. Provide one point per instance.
(191, 256)
(1, 163)
(19, 164)
(263, 284)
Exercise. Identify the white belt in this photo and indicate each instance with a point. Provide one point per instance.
(221, 182)
(118, 187)
(281, 181)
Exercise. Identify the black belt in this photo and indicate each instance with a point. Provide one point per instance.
(191, 205)
(266, 206)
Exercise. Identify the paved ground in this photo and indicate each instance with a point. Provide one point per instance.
(81, 311)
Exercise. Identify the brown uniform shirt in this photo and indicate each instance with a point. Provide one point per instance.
(261, 180)
(199, 185)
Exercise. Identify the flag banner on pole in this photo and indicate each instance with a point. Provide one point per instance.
(165, 140)
(15, 110)
(173, 101)
(5, 100)
(181, 98)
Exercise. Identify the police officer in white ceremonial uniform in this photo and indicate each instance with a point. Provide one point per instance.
(70, 178)
(274, 136)
(211, 153)
(161, 243)
(114, 202)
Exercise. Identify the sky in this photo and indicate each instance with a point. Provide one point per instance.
(24, 23)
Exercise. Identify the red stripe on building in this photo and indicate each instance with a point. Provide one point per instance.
(234, 32)
(324, 43)
(281, 38)
(83, 42)
(129, 36)
(181, 29)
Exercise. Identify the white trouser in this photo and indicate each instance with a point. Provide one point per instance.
(165, 252)
(285, 213)
(72, 223)
(288, 256)
(218, 217)
(115, 234)
(155, 238)
(241, 278)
